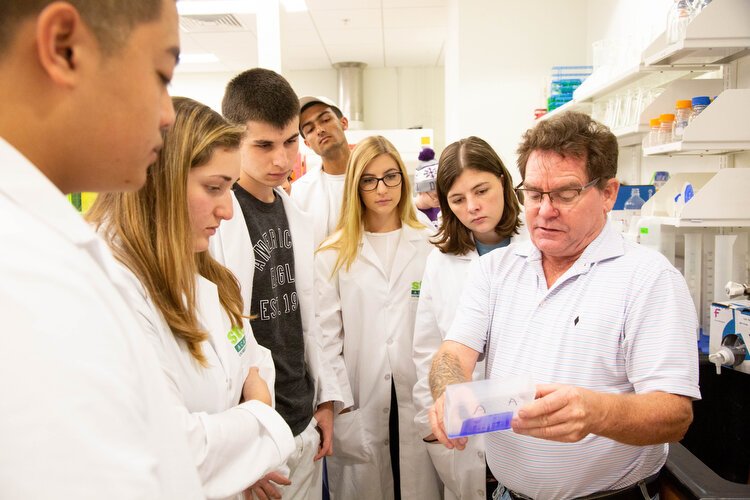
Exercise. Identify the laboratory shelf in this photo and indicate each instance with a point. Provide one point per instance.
(683, 222)
(720, 200)
(664, 103)
(719, 34)
(632, 135)
(568, 106)
(721, 128)
(598, 86)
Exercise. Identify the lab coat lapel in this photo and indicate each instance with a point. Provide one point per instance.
(404, 253)
(367, 254)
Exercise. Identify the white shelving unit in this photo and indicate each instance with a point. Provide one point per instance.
(678, 89)
(709, 238)
(712, 229)
(721, 200)
(721, 128)
(718, 35)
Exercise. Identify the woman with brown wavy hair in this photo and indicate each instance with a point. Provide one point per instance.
(480, 213)
(190, 306)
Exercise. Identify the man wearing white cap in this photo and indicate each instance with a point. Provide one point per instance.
(319, 192)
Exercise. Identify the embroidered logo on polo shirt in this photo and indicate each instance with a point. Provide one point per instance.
(237, 337)
(416, 286)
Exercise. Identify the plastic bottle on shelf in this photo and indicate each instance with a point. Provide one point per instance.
(652, 139)
(665, 128)
(699, 104)
(632, 209)
(635, 202)
(682, 112)
(679, 16)
(659, 178)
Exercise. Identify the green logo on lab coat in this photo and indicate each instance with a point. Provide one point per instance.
(416, 286)
(237, 337)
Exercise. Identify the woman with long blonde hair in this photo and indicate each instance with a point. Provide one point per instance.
(368, 277)
(190, 306)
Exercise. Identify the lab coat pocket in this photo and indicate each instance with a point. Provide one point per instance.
(444, 461)
(349, 442)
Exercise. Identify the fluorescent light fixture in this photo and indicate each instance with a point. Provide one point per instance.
(207, 7)
(294, 5)
(198, 58)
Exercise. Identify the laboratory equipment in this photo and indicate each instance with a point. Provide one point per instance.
(730, 330)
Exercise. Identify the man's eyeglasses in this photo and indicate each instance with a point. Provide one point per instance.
(558, 198)
(390, 180)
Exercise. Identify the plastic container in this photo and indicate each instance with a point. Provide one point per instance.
(699, 103)
(485, 405)
(635, 202)
(677, 20)
(659, 178)
(665, 128)
(682, 112)
(652, 139)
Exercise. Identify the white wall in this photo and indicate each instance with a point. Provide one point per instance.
(498, 59)
(207, 88)
(394, 98)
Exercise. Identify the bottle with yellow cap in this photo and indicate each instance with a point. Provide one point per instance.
(652, 139)
(683, 110)
(666, 122)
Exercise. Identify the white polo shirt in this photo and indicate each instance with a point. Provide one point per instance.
(620, 320)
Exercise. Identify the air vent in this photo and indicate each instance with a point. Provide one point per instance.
(207, 23)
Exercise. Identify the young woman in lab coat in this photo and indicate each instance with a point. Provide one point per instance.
(480, 214)
(368, 275)
(190, 306)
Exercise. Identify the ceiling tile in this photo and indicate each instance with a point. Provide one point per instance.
(413, 3)
(315, 5)
(372, 55)
(406, 37)
(430, 17)
(370, 36)
(394, 32)
(351, 19)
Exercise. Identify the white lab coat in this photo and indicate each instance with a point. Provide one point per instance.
(462, 471)
(232, 247)
(370, 318)
(84, 400)
(233, 444)
(312, 196)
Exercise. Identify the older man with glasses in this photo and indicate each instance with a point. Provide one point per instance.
(605, 327)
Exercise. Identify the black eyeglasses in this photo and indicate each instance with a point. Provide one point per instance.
(558, 198)
(391, 180)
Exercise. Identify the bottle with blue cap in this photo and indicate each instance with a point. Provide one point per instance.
(699, 104)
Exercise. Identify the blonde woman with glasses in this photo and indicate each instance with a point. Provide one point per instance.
(190, 306)
(368, 275)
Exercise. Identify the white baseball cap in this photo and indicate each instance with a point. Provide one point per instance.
(309, 100)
